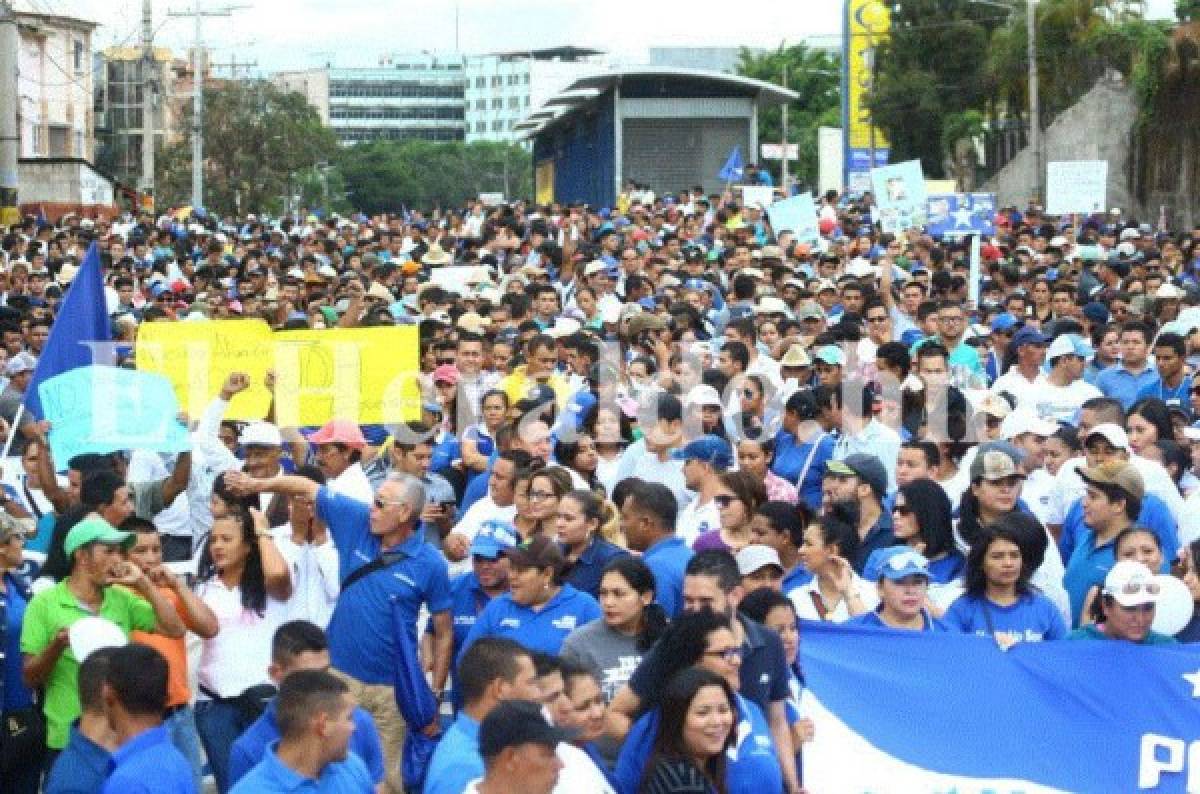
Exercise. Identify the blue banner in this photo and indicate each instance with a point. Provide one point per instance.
(951, 214)
(105, 409)
(912, 712)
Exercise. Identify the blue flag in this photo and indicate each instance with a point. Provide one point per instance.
(82, 318)
(733, 168)
(927, 712)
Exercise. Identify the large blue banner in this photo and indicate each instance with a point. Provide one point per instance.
(917, 712)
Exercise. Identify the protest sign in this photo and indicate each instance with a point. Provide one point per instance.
(453, 278)
(982, 738)
(1076, 186)
(757, 194)
(900, 194)
(104, 409)
(351, 373)
(798, 215)
(960, 214)
(364, 374)
(197, 357)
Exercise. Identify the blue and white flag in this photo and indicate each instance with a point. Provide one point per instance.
(913, 712)
(734, 167)
(960, 214)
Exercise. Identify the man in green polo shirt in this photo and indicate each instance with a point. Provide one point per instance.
(94, 548)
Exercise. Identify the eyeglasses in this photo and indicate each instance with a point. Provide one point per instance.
(444, 361)
(724, 500)
(541, 496)
(730, 655)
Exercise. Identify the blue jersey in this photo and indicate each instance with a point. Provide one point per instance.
(1154, 516)
(538, 630)
(667, 560)
(1032, 618)
(873, 620)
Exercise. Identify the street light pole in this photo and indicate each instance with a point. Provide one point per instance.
(10, 142)
(1035, 121)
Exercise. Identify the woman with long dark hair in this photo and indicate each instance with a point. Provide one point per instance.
(835, 592)
(694, 736)
(701, 639)
(245, 581)
(1148, 421)
(922, 519)
(999, 600)
(577, 523)
(611, 431)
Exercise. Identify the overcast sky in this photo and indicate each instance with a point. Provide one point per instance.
(293, 34)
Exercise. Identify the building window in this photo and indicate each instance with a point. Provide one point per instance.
(497, 81)
(514, 102)
(481, 104)
(497, 103)
(78, 53)
(526, 77)
(480, 82)
(526, 101)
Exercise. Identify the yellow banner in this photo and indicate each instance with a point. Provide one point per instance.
(368, 375)
(543, 182)
(867, 25)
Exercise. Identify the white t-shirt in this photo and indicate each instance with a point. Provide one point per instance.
(353, 482)
(1058, 403)
(579, 773)
(696, 519)
(237, 657)
(483, 510)
(806, 608)
(315, 582)
(1036, 493)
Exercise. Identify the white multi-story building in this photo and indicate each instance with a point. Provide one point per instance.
(54, 86)
(503, 88)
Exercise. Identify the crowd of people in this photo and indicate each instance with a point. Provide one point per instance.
(653, 439)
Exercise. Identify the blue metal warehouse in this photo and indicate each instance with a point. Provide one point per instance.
(665, 128)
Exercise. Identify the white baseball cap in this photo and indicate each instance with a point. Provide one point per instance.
(1113, 434)
(1131, 584)
(260, 434)
(756, 556)
(1021, 422)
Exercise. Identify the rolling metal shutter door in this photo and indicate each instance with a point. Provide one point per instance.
(673, 154)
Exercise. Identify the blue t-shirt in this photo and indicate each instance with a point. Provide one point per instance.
(1088, 566)
(272, 776)
(149, 764)
(1154, 516)
(447, 450)
(1032, 618)
(1123, 385)
(1179, 397)
(815, 453)
(467, 601)
(947, 569)
(872, 620)
(362, 639)
(251, 747)
(752, 766)
(80, 768)
(541, 630)
(456, 760)
(14, 597)
(667, 560)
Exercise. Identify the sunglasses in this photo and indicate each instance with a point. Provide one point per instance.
(724, 500)
(902, 510)
(1133, 588)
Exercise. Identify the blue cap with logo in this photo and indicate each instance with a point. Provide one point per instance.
(895, 563)
(1003, 322)
(708, 449)
(493, 539)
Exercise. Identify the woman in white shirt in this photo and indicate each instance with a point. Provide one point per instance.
(245, 582)
(836, 592)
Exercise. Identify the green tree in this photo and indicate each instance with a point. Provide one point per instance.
(384, 176)
(931, 65)
(814, 75)
(257, 138)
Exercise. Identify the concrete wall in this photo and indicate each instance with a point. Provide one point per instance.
(62, 182)
(1097, 127)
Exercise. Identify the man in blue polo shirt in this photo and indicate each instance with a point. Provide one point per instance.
(314, 709)
(491, 671)
(648, 519)
(135, 697)
(388, 574)
(488, 577)
(299, 645)
(714, 582)
(83, 764)
(1134, 371)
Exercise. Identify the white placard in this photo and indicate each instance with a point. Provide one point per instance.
(774, 151)
(758, 194)
(453, 278)
(1076, 186)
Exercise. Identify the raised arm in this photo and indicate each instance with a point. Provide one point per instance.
(276, 574)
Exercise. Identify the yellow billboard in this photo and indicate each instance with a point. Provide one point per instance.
(543, 182)
(866, 27)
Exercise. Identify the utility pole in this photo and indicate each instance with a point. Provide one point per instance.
(783, 173)
(1035, 120)
(149, 88)
(198, 57)
(234, 65)
(10, 142)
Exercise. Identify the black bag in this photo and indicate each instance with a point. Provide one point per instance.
(22, 737)
(249, 704)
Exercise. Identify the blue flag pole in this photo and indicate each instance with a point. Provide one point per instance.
(82, 318)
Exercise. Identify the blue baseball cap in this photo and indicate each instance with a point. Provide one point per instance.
(1096, 312)
(493, 539)
(1027, 336)
(708, 449)
(1003, 322)
(895, 563)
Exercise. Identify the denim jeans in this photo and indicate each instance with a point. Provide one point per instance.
(181, 726)
(219, 727)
